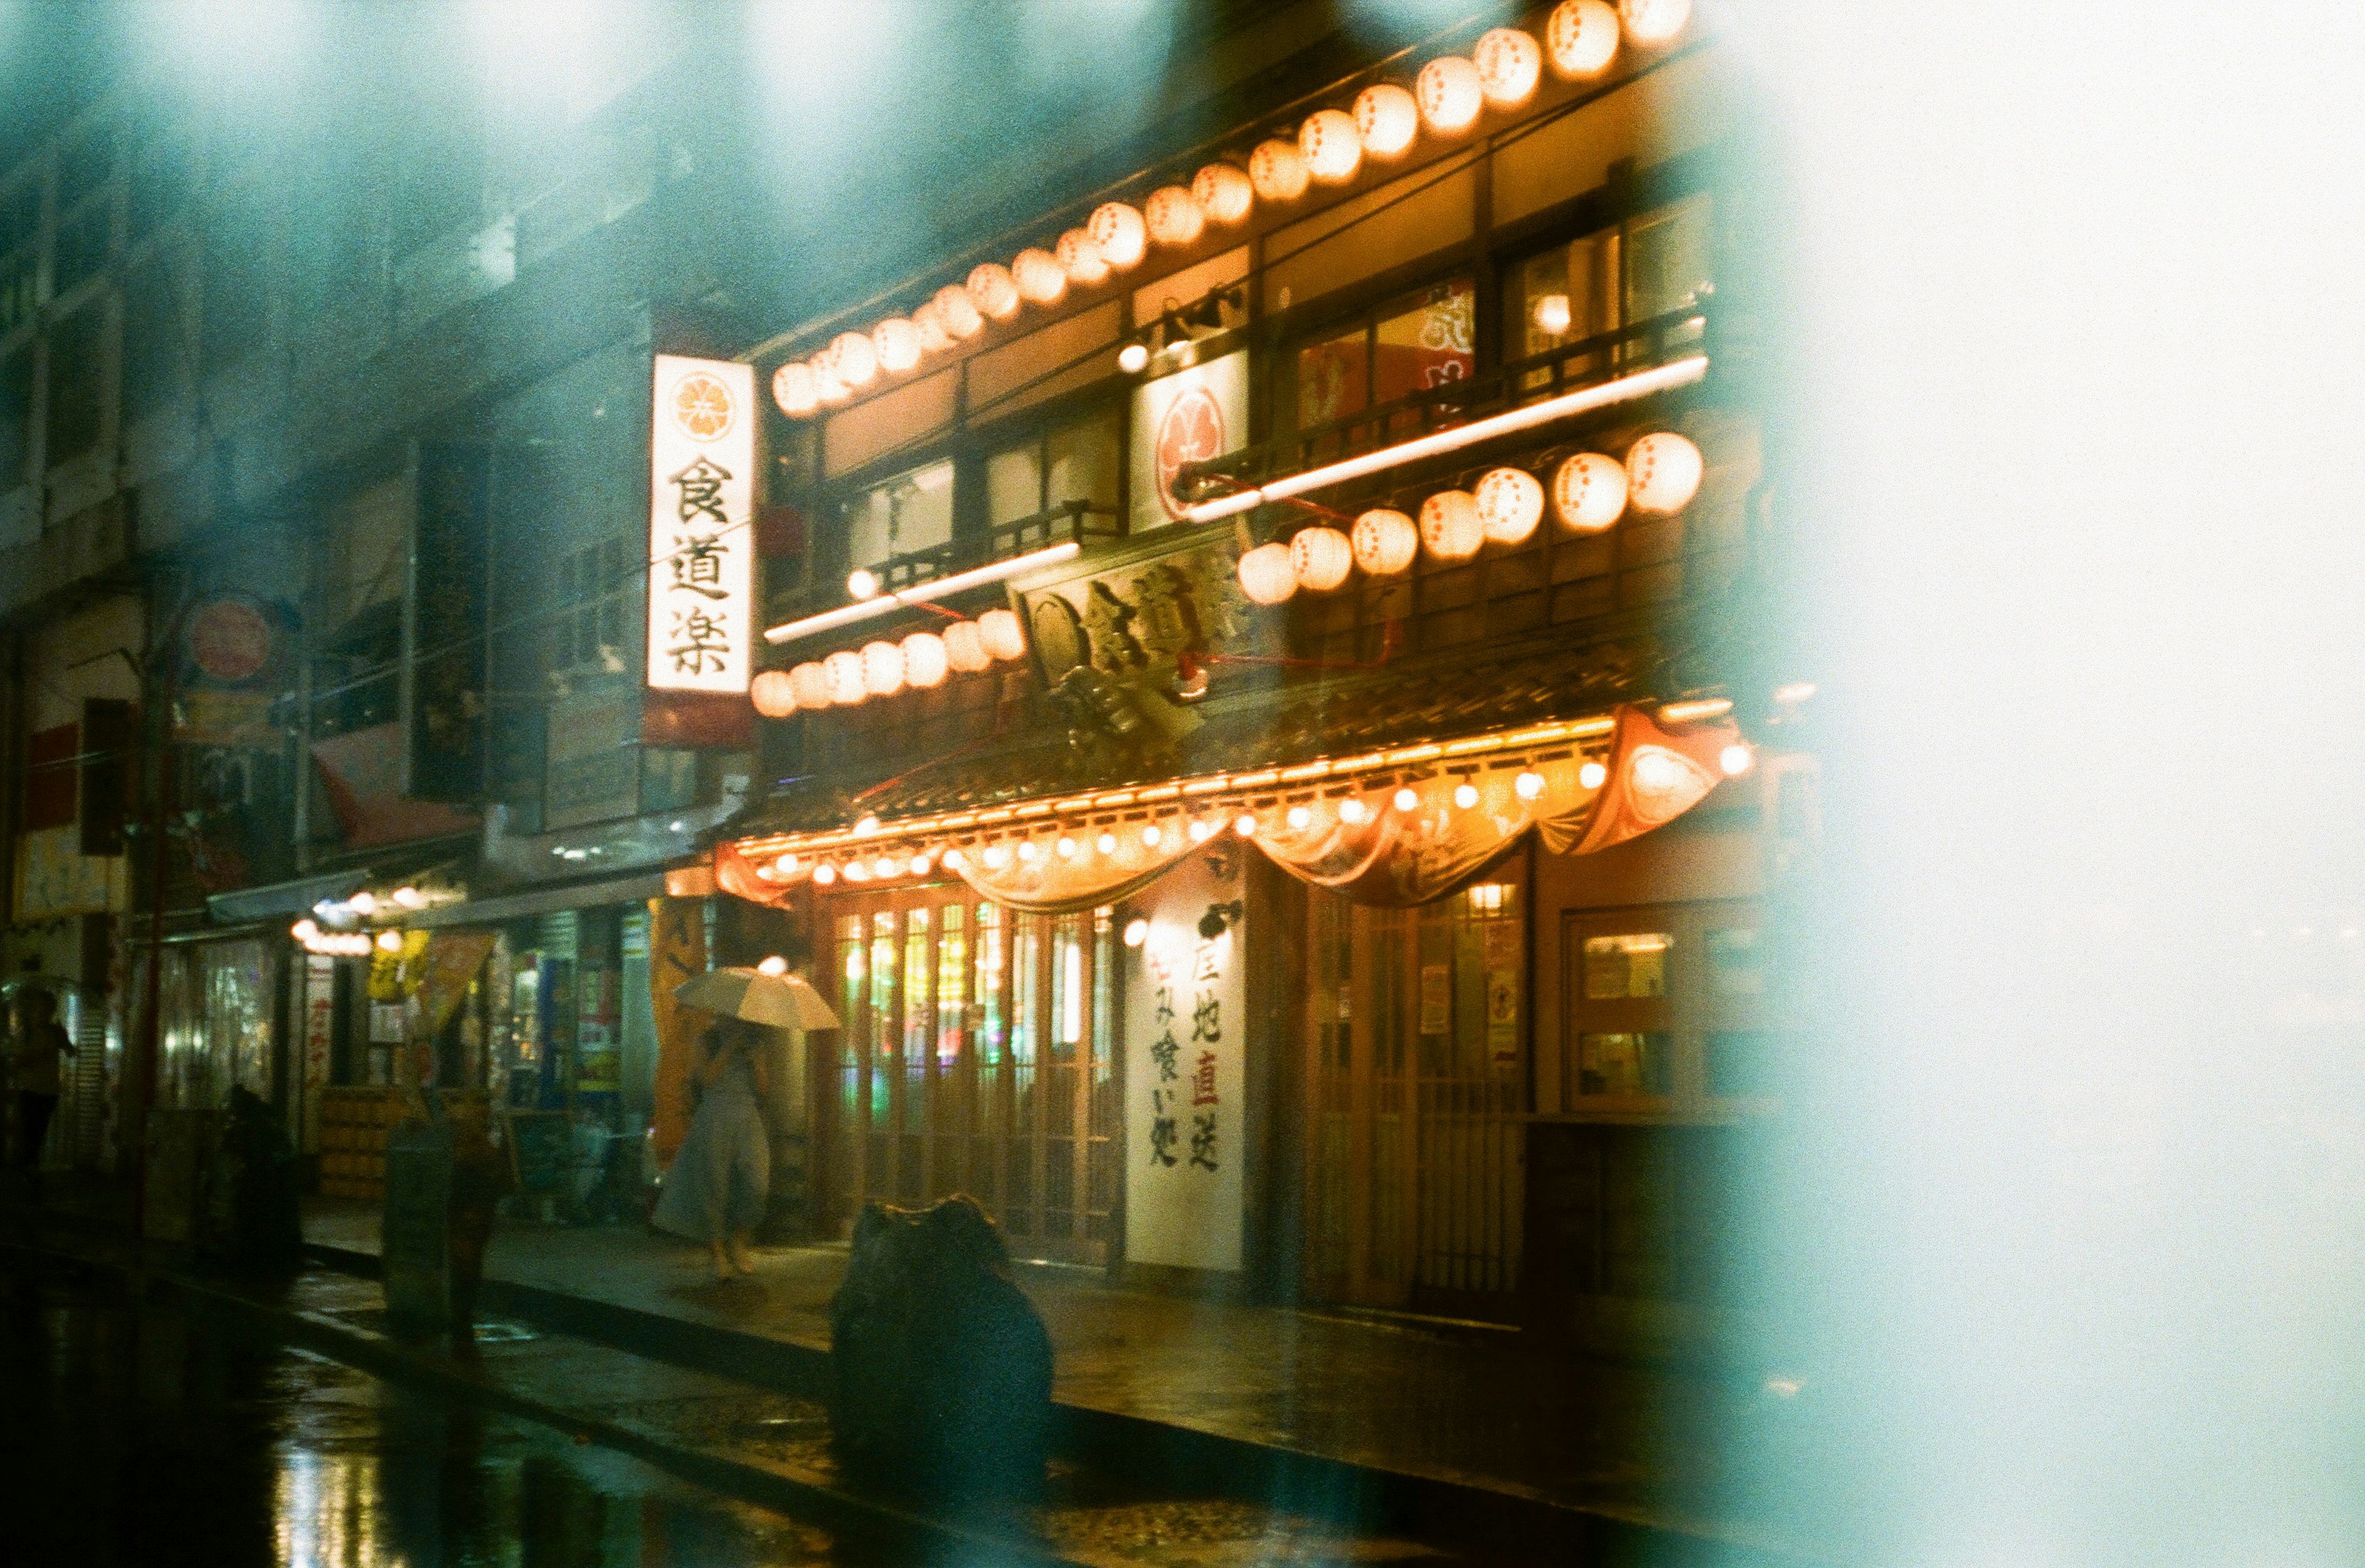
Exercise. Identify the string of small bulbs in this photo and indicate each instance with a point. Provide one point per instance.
(1447, 97)
(1589, 493)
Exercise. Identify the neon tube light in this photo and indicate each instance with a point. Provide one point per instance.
(920, 593)
(1682, 372)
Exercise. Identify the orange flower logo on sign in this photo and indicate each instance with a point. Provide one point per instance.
(702, 407)
(1191, 432)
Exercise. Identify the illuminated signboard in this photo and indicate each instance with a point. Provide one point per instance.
(701, 546)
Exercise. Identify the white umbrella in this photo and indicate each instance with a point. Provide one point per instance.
(782, 1001)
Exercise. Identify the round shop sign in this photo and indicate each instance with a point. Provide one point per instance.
(1191, 432)
(702, 407)
(229, 639)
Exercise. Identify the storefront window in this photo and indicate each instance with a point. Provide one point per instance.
(911, 511)
(1626, 965)
(1624, 1063)
(1645, 267)
(1412, 345)
(1078, 461)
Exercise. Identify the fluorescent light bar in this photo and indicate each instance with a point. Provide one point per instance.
(935, 587)
(1682, 372)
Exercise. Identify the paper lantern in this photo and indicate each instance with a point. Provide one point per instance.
(882, 669)
(1650, 22)
(1509, 63)
(1590, 492)
(1277, 171)
(1551, 315)
(1450, 526)
(1385, 541)
(965, 647)
(1450, 94)
(846, 685)
(1662, 473)
(1387, 117)
(897, 343)
(1320, 558)
(1120, 233)
(993, 291)
(853, 358)
(957, 313)
(1041, 279)
(1267, 576)
(831, 390)
(1332, 149)
(1003, 637)
(1080, 259)
(810, 683)
(1581, 37)
(929, 328)
(1511, 504)
(1224, 192)
(1173, 216)
(924, 661)
(773, 693)
(795, 390)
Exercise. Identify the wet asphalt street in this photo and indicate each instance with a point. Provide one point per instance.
(138, 1433)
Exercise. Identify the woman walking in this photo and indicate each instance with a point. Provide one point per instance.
(716, 1189)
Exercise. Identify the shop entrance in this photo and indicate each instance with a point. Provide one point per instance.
(978, 1057)
(1418, 1078)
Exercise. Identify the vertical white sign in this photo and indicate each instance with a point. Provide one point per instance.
(1185, 1069)
(702, 543)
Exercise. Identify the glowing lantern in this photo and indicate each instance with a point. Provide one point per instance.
(1173, 216)
(1106, 844)
(1003, 636)
(1407, 800)
(882, 669)
(924, 660)
(1450, 94)
(1352, 810)
(1590, 492)
(824, 874)
(1511, 504)
(957, 313)
(1277, 171)
(845, 686)
(1650, 22)
(1466, 795)
(965, 647)
(1450, 526)
(1080, 259)
(1299, 817)
(857, 871)
(810, 683)
(1041, 279)
(1223, 192)
(796, 389)
(897, 343)
(1120, 233)
(853, 358)
(993, 291)
(1332, 149)
(1662, 473)
(1386, 120)
(787, 864)
(1509, 63)
(930, 328)
(1319, 558)
(1266, 574)
(773, 694)
(1385, 541)
(832, 390)
(1245, 824)
(1153, 835)
(1581, 37)
(1529, 784)
(1551, 315)
(1736, 759)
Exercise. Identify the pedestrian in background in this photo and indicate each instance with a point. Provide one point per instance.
(39, 1041)
(716, 1190)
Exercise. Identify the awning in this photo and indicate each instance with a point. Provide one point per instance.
(540, 900)
(1396, 827)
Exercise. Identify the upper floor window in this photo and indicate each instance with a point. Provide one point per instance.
(77, 384)
(1079, 460)
(914, 511)
(1412, 345)
(1599, 281)
(599, 584)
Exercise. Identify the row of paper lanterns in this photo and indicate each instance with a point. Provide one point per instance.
(1589, 493)
(1446, 98)
(921, 661)
(1128, 844)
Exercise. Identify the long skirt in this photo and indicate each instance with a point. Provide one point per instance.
(719, 1182)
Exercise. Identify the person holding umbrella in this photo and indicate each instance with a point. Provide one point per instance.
(715, 1190)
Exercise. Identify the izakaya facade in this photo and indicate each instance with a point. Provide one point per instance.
(1267, 741)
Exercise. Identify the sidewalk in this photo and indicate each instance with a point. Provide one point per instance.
(1480, 1413)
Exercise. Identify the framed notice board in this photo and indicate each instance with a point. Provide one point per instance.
(541, 1149)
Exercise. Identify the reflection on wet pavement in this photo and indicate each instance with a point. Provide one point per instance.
(140, 1434)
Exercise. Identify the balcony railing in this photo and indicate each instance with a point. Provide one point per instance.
(1587, 362)
(1079, 521)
